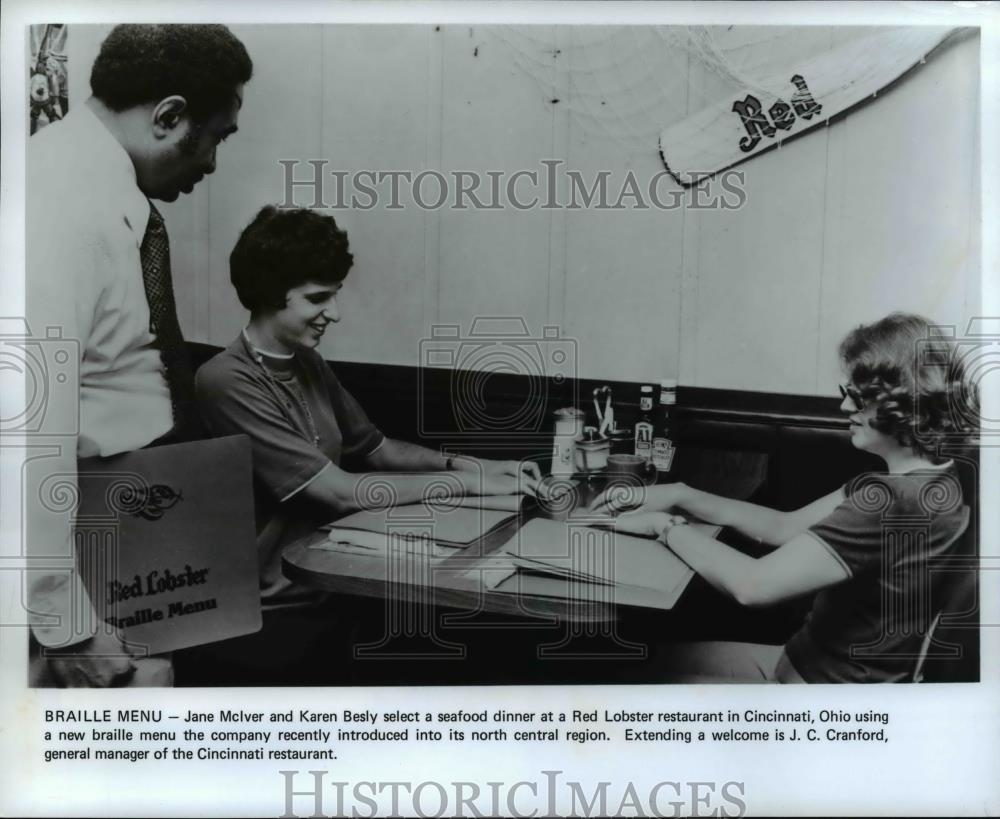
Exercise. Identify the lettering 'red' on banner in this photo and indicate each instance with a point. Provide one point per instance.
(793, 99)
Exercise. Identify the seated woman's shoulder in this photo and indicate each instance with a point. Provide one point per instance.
(936, 489)
(222, 371)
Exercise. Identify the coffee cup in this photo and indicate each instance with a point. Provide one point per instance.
(631, 467)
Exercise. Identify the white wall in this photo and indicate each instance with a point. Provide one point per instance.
(876, 212)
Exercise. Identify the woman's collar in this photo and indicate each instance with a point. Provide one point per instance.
(257, 352)
(929, 467)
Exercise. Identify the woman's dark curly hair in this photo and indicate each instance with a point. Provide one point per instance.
(915, 377)
(282, 249)
(138, 64)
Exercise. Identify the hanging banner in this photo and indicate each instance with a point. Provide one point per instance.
(755, 120)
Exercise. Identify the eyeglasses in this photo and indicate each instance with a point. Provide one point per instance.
(852, 392)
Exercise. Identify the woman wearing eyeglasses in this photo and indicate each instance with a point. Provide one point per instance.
(865, 549)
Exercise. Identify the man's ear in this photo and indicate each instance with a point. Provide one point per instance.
(167, 115)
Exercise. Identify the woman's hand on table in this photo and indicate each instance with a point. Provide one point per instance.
(504, 481)
(528, 469)
(646, 524)
(638, 499)
(525, 469)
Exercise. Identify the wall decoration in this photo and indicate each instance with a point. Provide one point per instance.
(48, 87)
(792, 98)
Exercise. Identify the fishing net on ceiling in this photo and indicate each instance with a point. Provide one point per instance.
(631, 82)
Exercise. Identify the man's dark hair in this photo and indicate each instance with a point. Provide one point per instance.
(139, 64)
(282, 249)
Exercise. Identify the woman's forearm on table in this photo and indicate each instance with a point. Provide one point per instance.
(345, 492)
(731, 572)
(758, 522)
(407, 457)
(801, 566)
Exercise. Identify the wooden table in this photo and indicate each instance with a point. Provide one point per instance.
(422, 580)
(407, 630)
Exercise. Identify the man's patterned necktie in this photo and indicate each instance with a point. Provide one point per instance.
(155, 256)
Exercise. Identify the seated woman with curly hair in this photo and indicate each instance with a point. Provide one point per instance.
(856, 547)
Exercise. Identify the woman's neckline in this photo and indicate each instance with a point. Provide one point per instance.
(275, 365)
(268, 353)
(926, 467)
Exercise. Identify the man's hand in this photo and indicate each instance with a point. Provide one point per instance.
(100, 662)
(639, 498)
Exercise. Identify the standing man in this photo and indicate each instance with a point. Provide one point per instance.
(98, 271)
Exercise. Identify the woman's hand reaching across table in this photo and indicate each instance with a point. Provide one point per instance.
(623, 497)
(646, 524)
